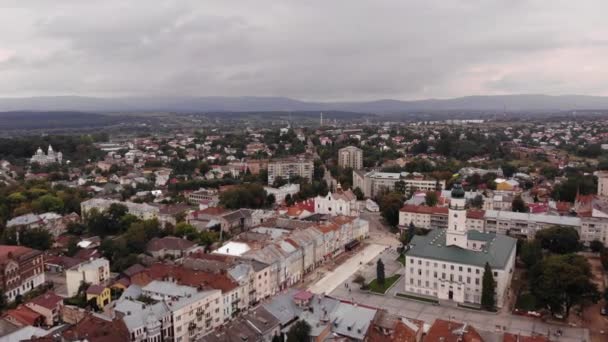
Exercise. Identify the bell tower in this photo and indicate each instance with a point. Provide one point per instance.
(456, 234)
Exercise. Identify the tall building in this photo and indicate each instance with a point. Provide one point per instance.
(350, 156)
(448, 264)
(289, 167)
(45, 159)
(602, 183)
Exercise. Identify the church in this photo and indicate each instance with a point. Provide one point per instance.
(448, 264)
(45, 159)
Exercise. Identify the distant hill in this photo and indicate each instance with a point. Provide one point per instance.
(48, 120)
(254, 104)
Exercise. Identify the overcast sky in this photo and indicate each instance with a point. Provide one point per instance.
(306, 49)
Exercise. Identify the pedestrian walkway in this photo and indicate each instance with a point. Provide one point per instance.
(338, 276)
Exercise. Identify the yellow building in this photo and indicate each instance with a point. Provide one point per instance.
(101, 294)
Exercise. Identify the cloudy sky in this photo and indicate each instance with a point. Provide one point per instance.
(312, 49)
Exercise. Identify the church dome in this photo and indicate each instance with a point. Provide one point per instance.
(457, 191)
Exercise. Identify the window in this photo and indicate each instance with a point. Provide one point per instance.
(452, 267)
(477, 271)
(460, 268)
(468, 270)
(468, 280)
(476, 281)
(495, 274)
(419, 272)
(419, 262)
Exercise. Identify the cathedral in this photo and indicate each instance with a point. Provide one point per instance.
(46, 159)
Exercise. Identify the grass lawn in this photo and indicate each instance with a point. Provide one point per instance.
(401, 259)
(423, 299)
(374, 286)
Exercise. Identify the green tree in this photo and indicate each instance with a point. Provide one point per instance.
(431, 198)
(488, 289)
(48, 203)
(390, 204)
(299, 332)
(359, 193)
(531, 253)
(477, 202)
(559, 239)
(400, 187)
(518, 205)
(561, 281)
(380, 276)
(596, 246)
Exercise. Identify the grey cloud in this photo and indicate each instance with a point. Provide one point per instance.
(320, 50)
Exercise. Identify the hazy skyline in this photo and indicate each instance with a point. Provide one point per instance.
(313, 50)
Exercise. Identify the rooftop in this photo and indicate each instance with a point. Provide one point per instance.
(497, 250)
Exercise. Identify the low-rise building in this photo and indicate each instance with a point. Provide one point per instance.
(48, 305)
(170, 246)
(94, 272)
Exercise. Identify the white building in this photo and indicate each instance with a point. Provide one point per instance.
(448, 264)
(93, 272)
(142, 210)
(45, 159)
(290, 167)
(281, 192)
(351, 157)
(337, 203)
(374, 182)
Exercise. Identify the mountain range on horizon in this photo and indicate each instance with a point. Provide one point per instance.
(187, 104)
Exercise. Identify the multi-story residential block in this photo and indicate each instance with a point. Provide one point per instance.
(525, 225)
(436, 217)
(205, 196)
(448, 264)
(289, 167)
(374, 182)
(602, 183)
(179, 313)
(350, 157)
(21, 270)
(94, 272)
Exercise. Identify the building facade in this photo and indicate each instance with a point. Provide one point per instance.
(94, 272)
(51, 157)
(373, 183)
(21, 270)
(290, 167)
(350, 157)
(448, 264)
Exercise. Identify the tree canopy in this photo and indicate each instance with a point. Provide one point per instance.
(559, 239)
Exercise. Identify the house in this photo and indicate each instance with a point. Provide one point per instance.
(48, 305)
(386, 327)
(100, 293)
(170, 246)
(22, 316)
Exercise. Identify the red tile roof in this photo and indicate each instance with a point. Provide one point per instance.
(96, 329)
(423, 209)
(22, 315)
(188, 277)
(169, 243)
(48, 300)
(446, 331)
(476, 214)
(95, 290)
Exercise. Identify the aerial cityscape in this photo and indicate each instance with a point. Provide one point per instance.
(209, 171)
